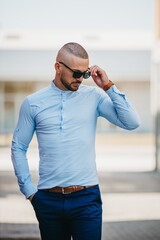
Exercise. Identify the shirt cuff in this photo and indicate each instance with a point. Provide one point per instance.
(28, 190)
(114, 90)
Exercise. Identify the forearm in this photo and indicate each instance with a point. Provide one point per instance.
(22, 136)
(21, 169)
(119, 110)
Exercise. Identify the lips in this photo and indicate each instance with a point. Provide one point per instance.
(77, 84)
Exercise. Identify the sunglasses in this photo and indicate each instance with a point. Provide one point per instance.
(78, 74)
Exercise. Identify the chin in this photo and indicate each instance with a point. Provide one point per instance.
(74, 90)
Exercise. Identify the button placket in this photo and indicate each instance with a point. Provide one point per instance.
(62, 111)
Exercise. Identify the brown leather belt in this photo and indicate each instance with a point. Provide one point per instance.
(66, 190)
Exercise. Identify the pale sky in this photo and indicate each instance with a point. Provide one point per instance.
(76, 14)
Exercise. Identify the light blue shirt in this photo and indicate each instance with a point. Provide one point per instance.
(65, 125)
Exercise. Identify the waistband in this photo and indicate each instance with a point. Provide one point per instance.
(65, 190)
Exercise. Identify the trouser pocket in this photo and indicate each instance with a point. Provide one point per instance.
(98, 193)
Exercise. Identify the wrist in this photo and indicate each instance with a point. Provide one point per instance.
(108, 85)
(104, 84)
(31, 196)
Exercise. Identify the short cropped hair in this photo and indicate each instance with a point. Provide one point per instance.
(75, 49)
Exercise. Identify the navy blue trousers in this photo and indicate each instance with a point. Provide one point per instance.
(61, 216)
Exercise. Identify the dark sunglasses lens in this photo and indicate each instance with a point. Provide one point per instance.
(87, 75)
(77, 74)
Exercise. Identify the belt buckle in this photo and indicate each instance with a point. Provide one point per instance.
(63, 192)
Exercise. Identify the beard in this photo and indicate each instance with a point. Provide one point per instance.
(69, 86)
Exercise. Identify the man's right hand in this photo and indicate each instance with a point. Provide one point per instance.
(30, 198)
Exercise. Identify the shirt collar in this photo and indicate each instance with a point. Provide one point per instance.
(55, 88)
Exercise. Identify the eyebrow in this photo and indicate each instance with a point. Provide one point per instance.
(77, 70)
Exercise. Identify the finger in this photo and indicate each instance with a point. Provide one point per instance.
(96, 71)
(93, 67)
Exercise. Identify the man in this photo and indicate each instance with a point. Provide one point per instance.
(64, 115)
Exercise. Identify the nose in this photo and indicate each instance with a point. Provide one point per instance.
(80, 79)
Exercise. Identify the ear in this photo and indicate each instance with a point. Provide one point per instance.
(57, 67)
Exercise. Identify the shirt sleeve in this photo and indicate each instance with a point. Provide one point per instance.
(21, 138)
(115, 107)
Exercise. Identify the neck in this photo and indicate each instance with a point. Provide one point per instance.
(59, 84)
